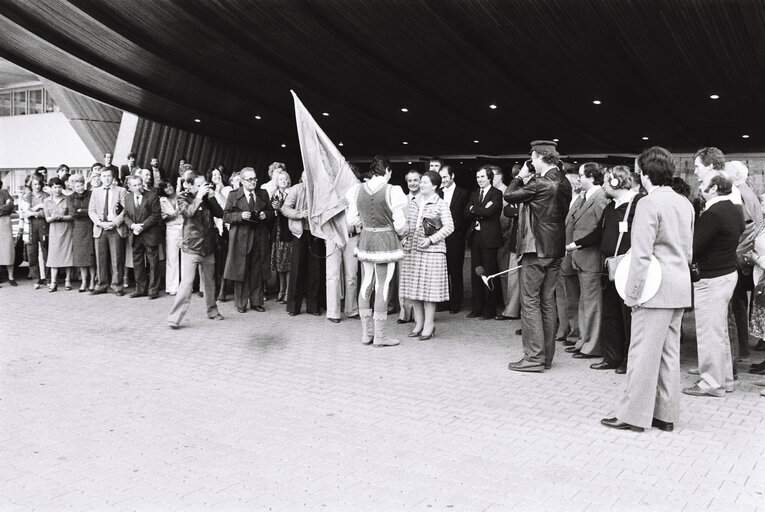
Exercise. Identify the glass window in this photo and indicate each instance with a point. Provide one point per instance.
(5, 103)
(35, 101)
(19, 103)
(50, 105)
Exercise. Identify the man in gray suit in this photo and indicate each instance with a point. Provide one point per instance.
(582, 220)
(663, 228)
(106, 210)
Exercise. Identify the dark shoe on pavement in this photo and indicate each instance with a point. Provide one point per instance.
(400, 321)
(567, 343)
(760, 343)
(620, 425)
(502, 317)
(119, 293)
(519, 332)
(136, 294)
(621, 370)
(582, 355)
(665, 426)
(13, 282)
(526, 366)
(259, 309)
(174, 326)
(97, 291)
(473, 314)
(757, 368)
(241, 310)
(153, 296)
(354, 317)
(334, 320)
(602, 366)
(572, 350)
(217, 317)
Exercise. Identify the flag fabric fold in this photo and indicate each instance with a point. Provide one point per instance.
(328, 177)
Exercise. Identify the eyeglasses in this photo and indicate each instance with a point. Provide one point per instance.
(249, 179)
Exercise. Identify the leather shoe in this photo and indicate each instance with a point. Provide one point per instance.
(136, 295)
(620, 425)
(757, 369)
(217, 317)
(354, 317)
(526, 366)
(259, 309)
(602, 366)
(414, 334)
(572, 350)
(473, 315)
(292, 313)
(519, 332)
(695, 390)
(426, 337)
(315, 313)
(665, 426)
(153, 296)
(567, 343)
(97, 291)
(582, 355)
(119, 293)
(400, 321)
(334, 320)
(241, 309)
(502, 317)
(621, 370)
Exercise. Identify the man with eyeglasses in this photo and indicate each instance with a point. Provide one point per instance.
(247, 210)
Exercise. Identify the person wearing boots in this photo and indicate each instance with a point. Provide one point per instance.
(378, 208)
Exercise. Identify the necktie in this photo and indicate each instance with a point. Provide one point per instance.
(106, 205)
(251, 202)
(481, 196)
(138, 200)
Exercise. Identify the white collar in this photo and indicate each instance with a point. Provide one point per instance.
(450, 186)
(716, 200)
(626, 198)
(591, 192)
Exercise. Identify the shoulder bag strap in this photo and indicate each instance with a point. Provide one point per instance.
(621, 233)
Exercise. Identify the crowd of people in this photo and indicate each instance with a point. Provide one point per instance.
(544, 244)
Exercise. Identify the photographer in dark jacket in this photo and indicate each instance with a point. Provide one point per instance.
(198, 207)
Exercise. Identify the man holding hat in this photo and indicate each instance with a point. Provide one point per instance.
(544, 194)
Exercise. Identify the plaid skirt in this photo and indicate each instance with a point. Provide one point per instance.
(424, 277)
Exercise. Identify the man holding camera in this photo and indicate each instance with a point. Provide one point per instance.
(198, 206)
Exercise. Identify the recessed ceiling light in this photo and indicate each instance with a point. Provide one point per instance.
(409, 163)
(475, 141)
(645, 138)
(197, 121)
(404, 109)
(284, 145)
(555, 140)
(493, 106)
(745, 136)
(257, 117)
(596, 102)
(714, 97)
(325, 114)
(340, 144)
(405, 142)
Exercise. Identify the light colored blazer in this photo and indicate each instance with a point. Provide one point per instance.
(295, 202)
(585, 220)
(663, 227)
(96, 209)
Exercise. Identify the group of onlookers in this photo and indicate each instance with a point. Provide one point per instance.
(544, 248)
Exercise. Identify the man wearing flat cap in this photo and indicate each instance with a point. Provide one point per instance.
(544, 194)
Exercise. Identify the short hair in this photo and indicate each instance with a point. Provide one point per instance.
(434, 178)
(595, 171)
(623, 176)
(447, 168)
(134, 177)
(41, 168)
(77, 178)
(736, 169)
(248, 169)
(97, 164)
(280, 172)
(130, 155)
(187, 167)
(380, 165)
(189, 179)
(56, 181)
(485, 168)
(680, 186)
(38, 178)
(711, 156)
(656, 163)
(414, 171)
(548, 154)
(107, 169)
(517, 169)
(235, 174)
(274, 166)
(436, 159)
(108, 153)
(723, 183)
(497, 170)
(63, 166)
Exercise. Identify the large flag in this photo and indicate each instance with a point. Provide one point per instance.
(328, 178)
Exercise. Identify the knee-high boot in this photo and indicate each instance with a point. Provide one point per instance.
(380, 339)
(365, 315)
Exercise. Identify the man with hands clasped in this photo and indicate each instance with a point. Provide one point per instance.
(143, 217)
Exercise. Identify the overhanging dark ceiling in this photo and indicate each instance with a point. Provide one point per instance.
(653, 64)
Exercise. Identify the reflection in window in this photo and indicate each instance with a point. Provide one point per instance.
(35, 101)
(5, 104)
(19, 103)
(50, 105)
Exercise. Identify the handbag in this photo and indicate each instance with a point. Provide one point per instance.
(612, 262)
(431, 225)
(745, 248)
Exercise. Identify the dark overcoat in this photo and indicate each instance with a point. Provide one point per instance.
(243, 234)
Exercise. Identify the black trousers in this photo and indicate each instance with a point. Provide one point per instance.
(484, 301)
(455, 259)
(615, 325)
(146, 281)
(307, 268)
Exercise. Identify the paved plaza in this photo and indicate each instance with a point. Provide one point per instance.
(102, 407)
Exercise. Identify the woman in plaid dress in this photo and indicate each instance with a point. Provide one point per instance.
(424, 279)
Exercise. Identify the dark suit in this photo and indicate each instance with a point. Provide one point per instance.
(455, 247)
(146, 244)
(249, 249)
(125, 172)
(484, 243)
(541, 246)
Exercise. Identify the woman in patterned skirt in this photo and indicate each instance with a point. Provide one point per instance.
(378, 208)
(424, 279)
(281, 248)
(83, 250)
(60, 221)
